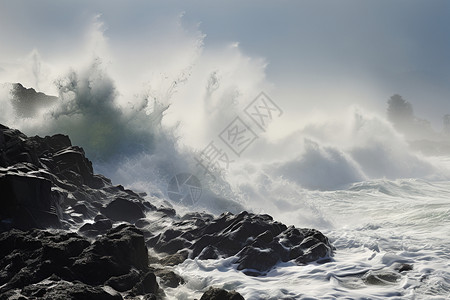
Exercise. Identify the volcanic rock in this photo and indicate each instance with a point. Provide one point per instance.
(258, 241)
(221, 294)
(121, 209)
(119, 259)
(49, 183)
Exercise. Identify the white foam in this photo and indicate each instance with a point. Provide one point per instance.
(372, 230)
(351, 176)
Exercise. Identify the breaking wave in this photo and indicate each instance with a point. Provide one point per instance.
(353, 177)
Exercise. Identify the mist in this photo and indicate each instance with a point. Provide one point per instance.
(332, 115)
(171, 82)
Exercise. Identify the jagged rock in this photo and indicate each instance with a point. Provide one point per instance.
(27, 258)
(252, 258)
(112, 255)
(17, 148)
(209, 252)
(258, 241)
(74, 166)
(124, 282)
(167, 211)
(100, 226)
(175, 259)
(64, 290)
(26, 202)
(121, 209)
(94, 269)
(141, 223)
(221, 294)
(103, 225)
(54, 176)
(48, 145)
(147, 285)
(49, 182)
(169, 278)
(170, 241)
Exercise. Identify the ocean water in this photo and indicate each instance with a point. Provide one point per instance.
(355, 179)
(374, 225)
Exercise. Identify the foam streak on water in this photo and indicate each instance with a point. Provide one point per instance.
(376, 226)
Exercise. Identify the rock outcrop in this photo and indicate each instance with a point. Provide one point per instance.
(31, 260)
(97, 245)
(221, 294)
(47, 182)
(258, 242)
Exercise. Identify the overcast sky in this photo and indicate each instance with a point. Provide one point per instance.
(314, 54)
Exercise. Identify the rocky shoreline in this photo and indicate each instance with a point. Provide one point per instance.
(67, 233)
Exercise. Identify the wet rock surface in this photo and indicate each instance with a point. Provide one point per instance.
(221, 294)
(67, 233)
(47, 182)
(118, 259)
(258, 241)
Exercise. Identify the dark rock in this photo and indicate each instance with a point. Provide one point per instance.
(87, 227)
(126, 244)
(73, 165)
(99, 227)
(47, 182)
(66, 290)
(62, 190)
(125, 282)
(100, 217)
(168, 211)
(403, 267)
(148, 285)
(258, 241)
(36, 255)
(17, 148)
(172, 246)
(174, 259)
(231, 233)
(76, 219)
(121, 209)
(51, 144)
(94, 269)
(80, 208)
(315, 252)
(103, 225)
(112, 255)
(257, 259)
(141, 223)
(119, 258)
(27, 202)
(209, 252)
(381, 277)
(169, 278)
(264, 238)
(221, 294)
(197, 216)
(45, 176)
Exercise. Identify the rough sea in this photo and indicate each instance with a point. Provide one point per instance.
(383, 205)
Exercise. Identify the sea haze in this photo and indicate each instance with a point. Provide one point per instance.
(145, 89)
